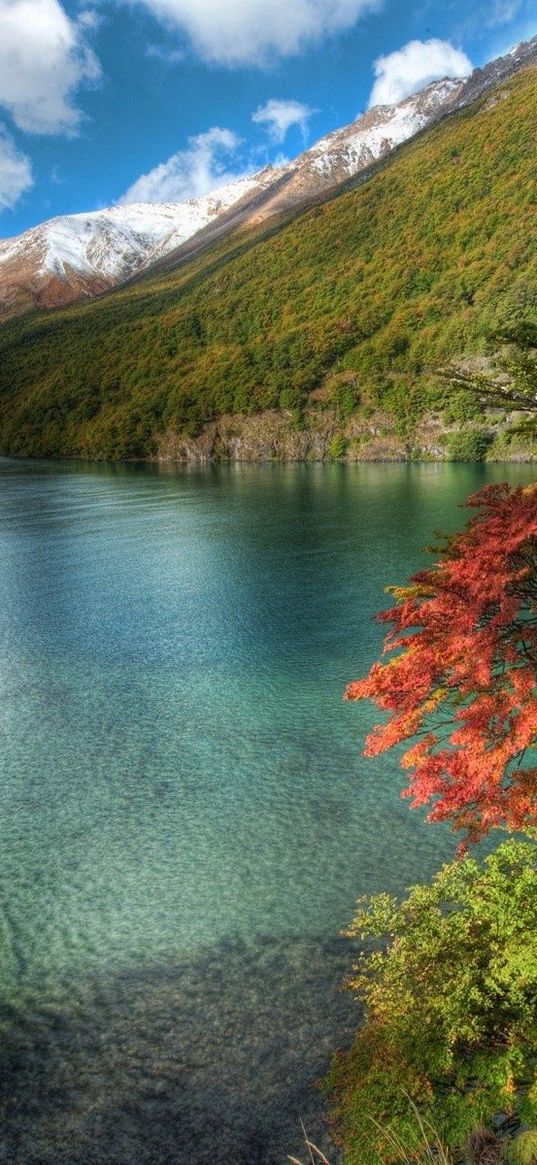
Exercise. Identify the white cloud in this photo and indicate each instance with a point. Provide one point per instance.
(15, 172)
(279, 116)
(205, 165)
(238, 32)
(165, 55)
(43, 59)
(415, 65)
(90, 19)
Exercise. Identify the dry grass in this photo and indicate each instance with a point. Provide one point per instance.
(315, 1156)
(428, 1148)
(485, 1148)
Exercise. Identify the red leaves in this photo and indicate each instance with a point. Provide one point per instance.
(463, 673)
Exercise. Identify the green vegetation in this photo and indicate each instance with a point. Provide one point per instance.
(512, 383)
(337, 448)
(450, 989)
(468, 445)
(523, 1149)
(354, 301)
(448, 976)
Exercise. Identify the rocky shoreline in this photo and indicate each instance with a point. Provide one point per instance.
(284, 436)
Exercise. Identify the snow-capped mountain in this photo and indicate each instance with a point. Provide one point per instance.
(348, 151)
(196, 214)
(82, 255)
(378, 131)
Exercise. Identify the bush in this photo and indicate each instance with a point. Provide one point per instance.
(468, 445)
(523, 1149)
(337, 448)
(449, 983)
(462, 407)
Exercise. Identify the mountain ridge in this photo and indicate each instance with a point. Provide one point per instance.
(81, 256)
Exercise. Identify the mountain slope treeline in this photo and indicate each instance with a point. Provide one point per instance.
(347, 308)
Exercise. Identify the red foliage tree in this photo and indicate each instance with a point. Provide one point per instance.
(462, 684)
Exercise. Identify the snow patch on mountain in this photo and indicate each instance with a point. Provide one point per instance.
(115, 242)
(210, 206)
(380, 130)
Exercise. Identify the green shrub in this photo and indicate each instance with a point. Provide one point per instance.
(522, 1150)
(462, 407)
(290, 398)
(338, 447)
(468, 445)
(449, 984)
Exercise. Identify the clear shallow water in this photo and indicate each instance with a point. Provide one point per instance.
(185, 816)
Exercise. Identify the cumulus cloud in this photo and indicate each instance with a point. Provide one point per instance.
(279, 116)
(15, 172)
(206, 164)
(415, 65)
(43, 59)
(254, 31)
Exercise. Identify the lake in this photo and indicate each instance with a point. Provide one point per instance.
(186, 818)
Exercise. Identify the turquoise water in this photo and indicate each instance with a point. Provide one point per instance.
(186, 818)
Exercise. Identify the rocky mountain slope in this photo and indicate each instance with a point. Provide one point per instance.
(80, 256)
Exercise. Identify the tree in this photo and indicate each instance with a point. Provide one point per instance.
(461, 683)
(513, 383)
(449, 983)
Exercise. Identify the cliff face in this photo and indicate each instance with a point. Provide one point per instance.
(320, 436)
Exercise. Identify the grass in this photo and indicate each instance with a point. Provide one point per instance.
(428, 1150)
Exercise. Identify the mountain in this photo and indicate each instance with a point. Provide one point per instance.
(307, 334)
(80, 256)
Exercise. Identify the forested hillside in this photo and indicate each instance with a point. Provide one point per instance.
(342, 312)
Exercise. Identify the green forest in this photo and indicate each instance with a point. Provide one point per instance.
(349, 308)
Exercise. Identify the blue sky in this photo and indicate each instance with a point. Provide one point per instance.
(108, 100)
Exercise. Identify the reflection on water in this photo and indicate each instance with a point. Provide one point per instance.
(185, 816)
